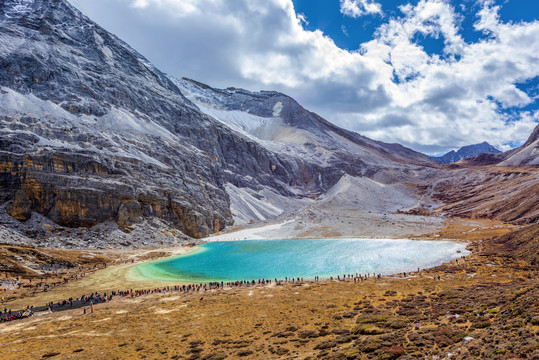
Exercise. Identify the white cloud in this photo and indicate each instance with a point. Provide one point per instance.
(390, 89)
(176, 8)
(357, 8)
(302, 18)
(453, 102)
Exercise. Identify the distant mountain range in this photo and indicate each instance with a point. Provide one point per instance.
(466, 152)
(525, 155)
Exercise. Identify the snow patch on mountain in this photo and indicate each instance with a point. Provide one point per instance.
(123, 120)
(13, 103)
(277, 108)
(197, 94)
(20, 106)
(271, 133)
(245, 123)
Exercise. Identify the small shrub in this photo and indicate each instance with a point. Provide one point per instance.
(367, 329)
(307, 334)
(482, 325)
(396, 324)
(443, 341)
(458, 337)
(326, 344)
(245, 352)
(369, 345)
(390, 353)
(218, 355)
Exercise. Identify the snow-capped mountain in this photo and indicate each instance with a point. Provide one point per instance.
(91, 132)
(466, 152)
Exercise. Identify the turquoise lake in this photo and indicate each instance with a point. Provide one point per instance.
(307, 258)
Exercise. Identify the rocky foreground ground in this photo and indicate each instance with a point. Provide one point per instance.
(483, 307)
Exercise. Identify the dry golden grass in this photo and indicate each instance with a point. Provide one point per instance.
(472, 229)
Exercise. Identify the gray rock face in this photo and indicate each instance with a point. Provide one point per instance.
(91, 132)
(284, 127)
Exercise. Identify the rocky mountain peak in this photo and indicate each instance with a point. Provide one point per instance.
(52, 50)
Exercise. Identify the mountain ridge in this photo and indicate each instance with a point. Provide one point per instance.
(295, 115)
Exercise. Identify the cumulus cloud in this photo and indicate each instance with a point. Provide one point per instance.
(176, 8)
(357, 8)
(389, 89)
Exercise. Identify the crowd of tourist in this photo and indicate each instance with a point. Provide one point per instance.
(88, 301)
(8, 315)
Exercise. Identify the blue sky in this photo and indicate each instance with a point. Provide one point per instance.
(432, 75)
(348, 32)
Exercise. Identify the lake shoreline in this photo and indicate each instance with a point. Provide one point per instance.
(457, 230)
(122, 276)
(150, 271)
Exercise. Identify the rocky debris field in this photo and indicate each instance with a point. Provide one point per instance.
(41, 232)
